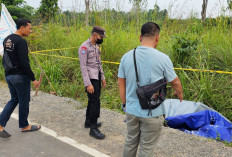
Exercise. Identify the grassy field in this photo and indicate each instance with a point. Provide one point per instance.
(189, 43)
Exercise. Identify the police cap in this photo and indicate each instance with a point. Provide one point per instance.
(100, 31)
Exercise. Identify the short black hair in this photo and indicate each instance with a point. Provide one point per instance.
(150, 29)
(22, 22)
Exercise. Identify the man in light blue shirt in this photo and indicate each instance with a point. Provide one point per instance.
(152, 66)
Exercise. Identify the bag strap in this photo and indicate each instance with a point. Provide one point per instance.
(136, 71)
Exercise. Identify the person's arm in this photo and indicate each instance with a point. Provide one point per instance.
(104, 83)
(22, 52)
(83, 63)
(103, 80)
(122, 89)
(176, 85)
(103, 77)
(170, 76)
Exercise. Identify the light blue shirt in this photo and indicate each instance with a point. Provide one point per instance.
(152, 66)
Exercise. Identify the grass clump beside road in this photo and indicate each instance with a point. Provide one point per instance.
(189, 43)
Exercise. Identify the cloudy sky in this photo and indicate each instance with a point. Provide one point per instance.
(176, 8)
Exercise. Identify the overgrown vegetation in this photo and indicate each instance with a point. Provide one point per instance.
(190, 44)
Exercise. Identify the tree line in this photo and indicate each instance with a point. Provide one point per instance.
(49, 10)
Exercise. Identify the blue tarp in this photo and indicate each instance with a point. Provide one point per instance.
(205, 123)
(197, 118)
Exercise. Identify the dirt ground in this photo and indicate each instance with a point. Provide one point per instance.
(64, 116)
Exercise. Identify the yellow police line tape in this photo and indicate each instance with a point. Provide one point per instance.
(54, 50)
(202, 70)
(57, 56)
(117, 63)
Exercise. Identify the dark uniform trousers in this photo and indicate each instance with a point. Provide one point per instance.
(93, 108)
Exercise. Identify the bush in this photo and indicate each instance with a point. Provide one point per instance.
(184, 47)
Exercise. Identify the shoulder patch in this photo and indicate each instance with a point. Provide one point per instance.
(83, 50)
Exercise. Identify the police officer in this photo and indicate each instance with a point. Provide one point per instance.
(93, 77)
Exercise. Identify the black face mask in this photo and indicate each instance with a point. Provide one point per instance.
(99, 41)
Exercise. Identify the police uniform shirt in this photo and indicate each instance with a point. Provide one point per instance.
(90, 62)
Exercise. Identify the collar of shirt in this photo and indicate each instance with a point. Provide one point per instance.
(94, 46)
(90, 43)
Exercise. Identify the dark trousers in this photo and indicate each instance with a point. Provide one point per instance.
(19, 86)
(93, 108)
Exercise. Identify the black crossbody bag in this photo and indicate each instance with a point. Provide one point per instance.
(7, 64)
(150, 96)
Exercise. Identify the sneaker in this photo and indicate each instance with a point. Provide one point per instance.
(87, 124)
(4, 134)
(96, 133)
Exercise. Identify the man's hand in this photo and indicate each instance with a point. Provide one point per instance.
(90, 89)
(122, 89)
(176, 85)
(103, 83)
(179, 95)
(36, 83)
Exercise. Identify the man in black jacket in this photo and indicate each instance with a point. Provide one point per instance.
(18, 75)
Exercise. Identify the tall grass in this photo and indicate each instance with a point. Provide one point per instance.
(212, 50)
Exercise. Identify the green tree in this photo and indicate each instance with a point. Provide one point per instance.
(157, 14)
(156, 8)
(48, 9)
(229, 4)
(136, 4)
(18, 8)
(12, 2)
(137, 9)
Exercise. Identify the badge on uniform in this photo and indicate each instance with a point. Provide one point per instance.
(83, 49)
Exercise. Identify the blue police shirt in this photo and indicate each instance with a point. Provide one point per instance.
(152, 66)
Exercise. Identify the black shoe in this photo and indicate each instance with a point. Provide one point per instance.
(95, 132)
(4, 134)
(87, 124)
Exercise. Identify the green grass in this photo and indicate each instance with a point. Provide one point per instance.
(212, 51)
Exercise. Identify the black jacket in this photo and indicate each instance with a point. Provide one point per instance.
(15, 58)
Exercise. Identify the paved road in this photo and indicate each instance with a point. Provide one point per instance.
(34, 144)
(57, 113)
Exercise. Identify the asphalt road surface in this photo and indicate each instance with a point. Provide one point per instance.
(34, 144)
